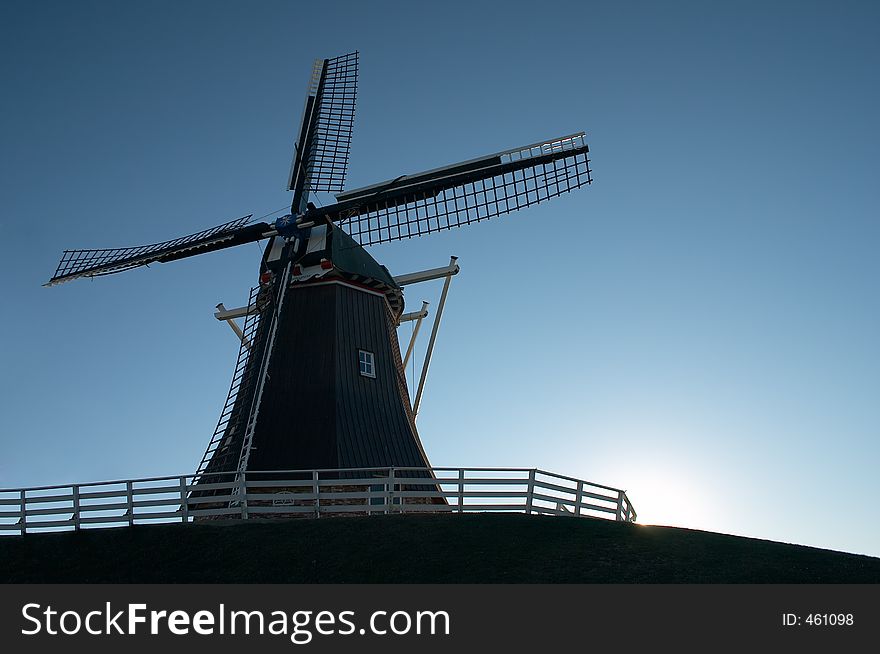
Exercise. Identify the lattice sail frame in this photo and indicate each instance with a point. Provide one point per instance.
(94, 263)
(236, 412)
(327, 160)
(510, 180)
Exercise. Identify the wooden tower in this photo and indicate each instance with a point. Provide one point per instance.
(333, 394)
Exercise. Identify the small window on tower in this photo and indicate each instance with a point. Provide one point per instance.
(366, 363)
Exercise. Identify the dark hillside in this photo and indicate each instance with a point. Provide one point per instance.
(489, 548)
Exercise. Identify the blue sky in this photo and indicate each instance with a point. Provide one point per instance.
(698, 327)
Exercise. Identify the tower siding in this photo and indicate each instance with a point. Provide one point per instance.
(294, 426)
(317, 410)
(374, 427)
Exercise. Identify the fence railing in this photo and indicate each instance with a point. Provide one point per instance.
(311, 493)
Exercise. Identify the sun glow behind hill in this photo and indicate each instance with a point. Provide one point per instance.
(668, 493)
(668, 485)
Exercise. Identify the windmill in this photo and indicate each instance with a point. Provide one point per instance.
(319, 382)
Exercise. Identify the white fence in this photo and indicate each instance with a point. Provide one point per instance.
(312, 493)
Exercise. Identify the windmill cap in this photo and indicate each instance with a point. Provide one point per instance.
(342, 256)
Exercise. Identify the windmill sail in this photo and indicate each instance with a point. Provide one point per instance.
(93, 263)
(222, 454)
(459, 194)
(320, 158)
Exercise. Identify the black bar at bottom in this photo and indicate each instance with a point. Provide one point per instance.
(505, 618)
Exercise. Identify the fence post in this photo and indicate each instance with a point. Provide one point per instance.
(184, 506)
(578, 496)
(530, 491)
(632, 516)
(75, 507)
(629, 517)
(316, 489)
(129, 500)
(461, 490)
(242, 493)
(390, 498)
(620, 496)
(23, 511)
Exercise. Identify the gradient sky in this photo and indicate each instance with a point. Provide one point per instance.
(699, 327)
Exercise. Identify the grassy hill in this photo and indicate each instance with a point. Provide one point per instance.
(491, 548)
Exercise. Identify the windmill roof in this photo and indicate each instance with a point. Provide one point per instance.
(350, 261)
(350, 256)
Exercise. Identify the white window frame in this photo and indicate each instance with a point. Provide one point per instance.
(367, 364)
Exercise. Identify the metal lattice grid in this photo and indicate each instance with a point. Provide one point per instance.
(427, 211)
(92, 263)
(327, 161)
(221, 452)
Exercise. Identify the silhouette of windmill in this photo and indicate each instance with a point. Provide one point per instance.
(319, 382)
